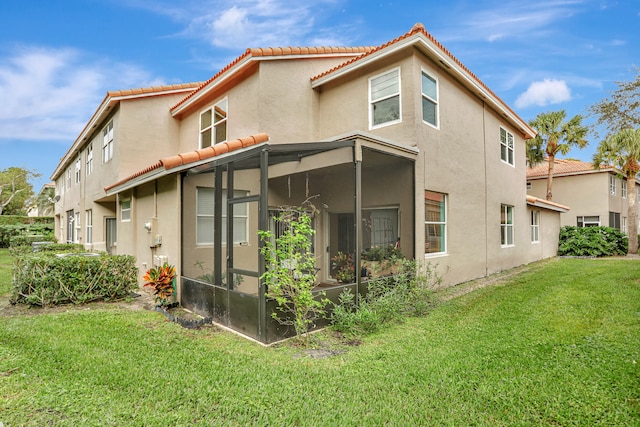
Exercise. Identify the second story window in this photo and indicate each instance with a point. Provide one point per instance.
(89, 167)
(107, 142)
(612, 185)
(213, 124)
(78, 170)
(384, 99)
(125, 210)
(68, 178)
(506, 146)
(429, 99)
(624, 189)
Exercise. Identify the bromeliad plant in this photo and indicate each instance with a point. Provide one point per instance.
(160, 279)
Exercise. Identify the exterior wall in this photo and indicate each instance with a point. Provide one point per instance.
(586, 194)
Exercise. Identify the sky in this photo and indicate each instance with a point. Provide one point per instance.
(58, 58)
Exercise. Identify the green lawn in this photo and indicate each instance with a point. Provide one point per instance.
(558, 344)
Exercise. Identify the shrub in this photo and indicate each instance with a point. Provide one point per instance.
(388, 299)
(592, 241)
(24, 234)
(45, 279)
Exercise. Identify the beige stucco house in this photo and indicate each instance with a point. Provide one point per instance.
(598, 197)
(394, 146)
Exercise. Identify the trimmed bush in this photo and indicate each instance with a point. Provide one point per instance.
(592, 241)
(25, 234)
(46, 279)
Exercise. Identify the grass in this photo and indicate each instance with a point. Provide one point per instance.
(558, 344)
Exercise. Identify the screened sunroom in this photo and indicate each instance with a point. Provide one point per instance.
(358, 191)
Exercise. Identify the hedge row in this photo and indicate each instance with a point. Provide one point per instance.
(592, 241)
(44, 279)
(25, 234)
(21, 219)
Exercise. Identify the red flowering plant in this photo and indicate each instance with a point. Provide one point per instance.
(160, 279)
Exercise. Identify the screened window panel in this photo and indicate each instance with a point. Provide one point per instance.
(386, 110)
(429, 111)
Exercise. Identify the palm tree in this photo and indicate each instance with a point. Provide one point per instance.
(554, 135)
(622, 150)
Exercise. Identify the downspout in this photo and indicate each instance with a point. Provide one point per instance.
(357, 158)
(486, 195)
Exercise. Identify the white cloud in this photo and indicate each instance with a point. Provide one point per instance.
(513, 19)
(239, 24)
(542, 93)
(49, 94)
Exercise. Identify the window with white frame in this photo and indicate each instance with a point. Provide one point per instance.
(107, 142)
(68, 178)
(213, 124)
(76, 227)
(612, 185)
(506, 225)
(125, 210)
(88, 226)
(624, 189)
(435, 222)
(205, 213)
(623, 224)
(384, 99)
(429, 99)
(535, 226)
(78, 171)
(588, 221)
(89, 162)
(506, 146)
(614, 220)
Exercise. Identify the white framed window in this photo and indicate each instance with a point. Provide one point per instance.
(506, 225)
(88, 226)
(430, 100)
(535, 226)
(612, 185)
(78, 173)
(89, 161)
(205, 213)
(435, 223)
(623, 224)
(107, 142)
(624, 189)
(68, 178)
(588, 221)
(213, 124)
(529, 186)
(384, 99)
(76, 227)
(125, 210)
(506, 146)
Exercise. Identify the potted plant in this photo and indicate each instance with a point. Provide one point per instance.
(161, 280)
(345, 270)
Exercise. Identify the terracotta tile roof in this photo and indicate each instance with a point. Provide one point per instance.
(418, 28)
(279, 51)
(564, 167)
(194, 156)
(547, 204)
(153, 89)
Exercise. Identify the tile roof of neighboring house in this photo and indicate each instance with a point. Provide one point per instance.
(270, 52)
(564, 167)
(419, 31)
(193, 156)
(105, 107)
(546, 204)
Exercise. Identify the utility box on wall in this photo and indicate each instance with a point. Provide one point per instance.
(151, 225)
(159, 260)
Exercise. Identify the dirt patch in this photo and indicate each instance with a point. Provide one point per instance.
(138, 300)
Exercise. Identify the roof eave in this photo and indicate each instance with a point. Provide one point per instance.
(421, 41)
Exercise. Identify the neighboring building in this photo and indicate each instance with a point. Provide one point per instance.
(596, 196)
(43, 202)
(396, 145)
